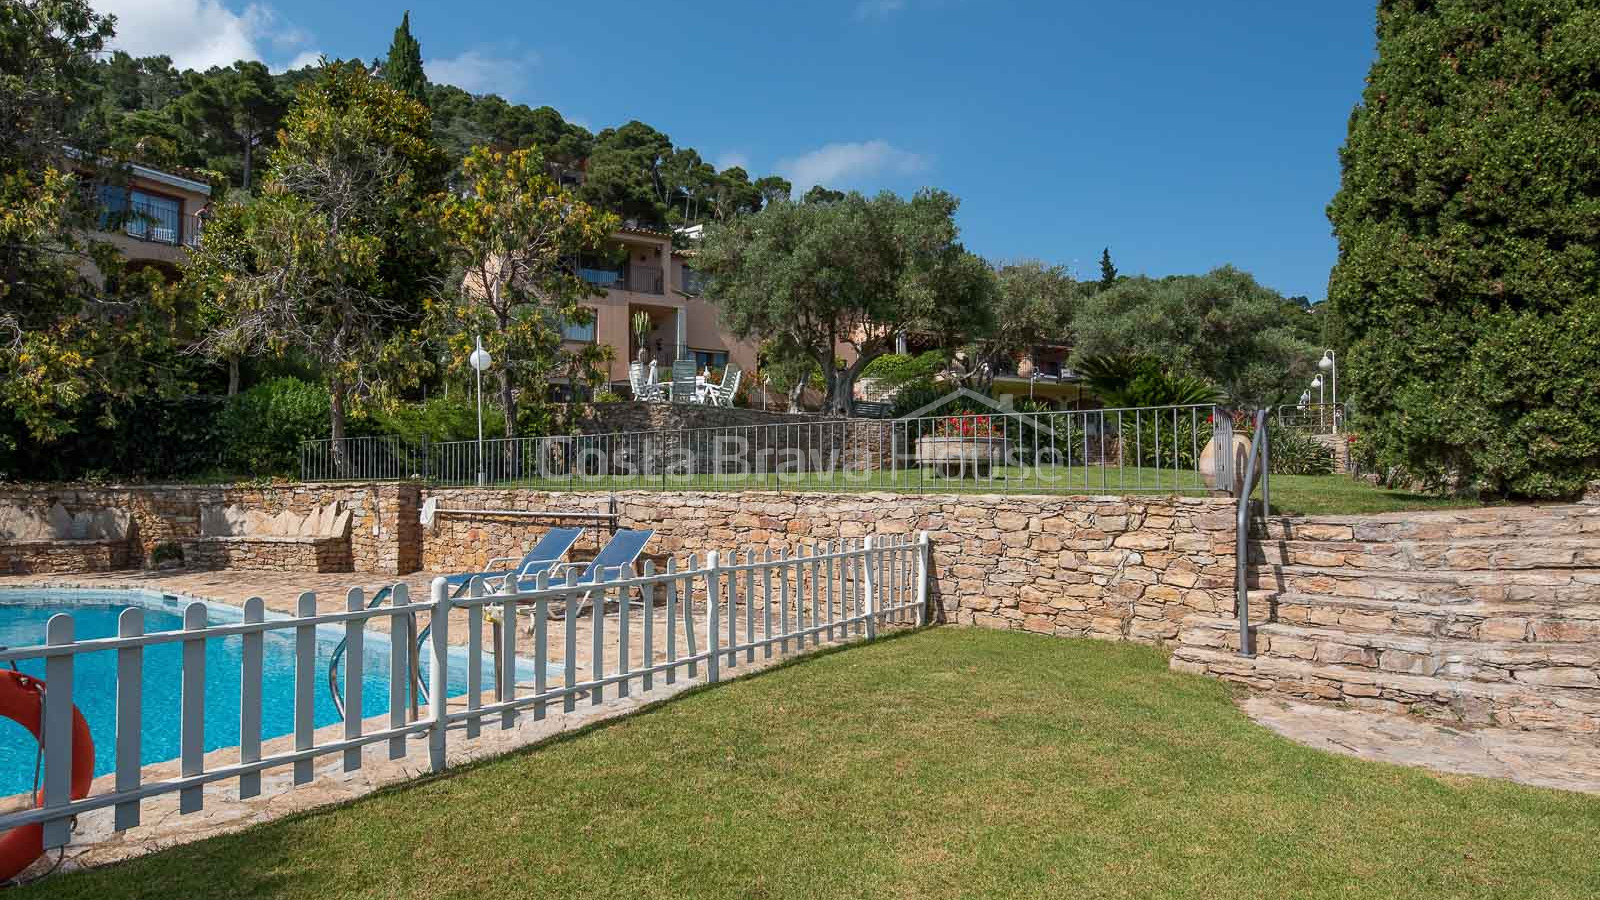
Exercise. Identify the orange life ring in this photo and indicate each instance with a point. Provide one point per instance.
(22, 701)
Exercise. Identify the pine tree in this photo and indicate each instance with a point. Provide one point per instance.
(403, 69)
(1108, 272)
(1468, 281)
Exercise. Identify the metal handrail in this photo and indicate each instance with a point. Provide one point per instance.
(419, 687)
(1256, 461)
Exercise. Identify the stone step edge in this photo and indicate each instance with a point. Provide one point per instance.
(1577, 612)
(1460, 515)
(1366, 548)
(1441, 576)
(1572, 653)
(1578, 699)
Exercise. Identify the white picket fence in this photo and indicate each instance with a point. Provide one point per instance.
(723, 614)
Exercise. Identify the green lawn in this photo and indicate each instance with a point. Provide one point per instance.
(1320, 495)
(944, 763)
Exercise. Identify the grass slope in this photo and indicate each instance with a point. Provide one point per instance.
(946, 763)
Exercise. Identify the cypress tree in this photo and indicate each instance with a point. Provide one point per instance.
(403, 68)
(1468, 277)
(1108, 272)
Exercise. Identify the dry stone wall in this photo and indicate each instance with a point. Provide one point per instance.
(382, 515)
(1101, 566)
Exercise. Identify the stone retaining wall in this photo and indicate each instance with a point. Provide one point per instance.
(59, 557)
(1103, 566)
(272, 554)
(382, 529)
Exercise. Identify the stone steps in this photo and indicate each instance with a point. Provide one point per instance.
(1560, 585)
(1209, 647)
(1527, 621)
(1564, 520)
(1496, 554)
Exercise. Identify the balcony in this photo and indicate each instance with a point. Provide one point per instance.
(635, 278)
(155, 223)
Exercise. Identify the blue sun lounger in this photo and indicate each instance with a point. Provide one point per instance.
(545, 554)
(613, 563)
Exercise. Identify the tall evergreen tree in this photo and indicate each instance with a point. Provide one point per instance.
(1468, 278)
(403, 68)
(1108, 272)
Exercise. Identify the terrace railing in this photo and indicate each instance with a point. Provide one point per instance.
(702, 618)
(1316, 418)
(1144, 450)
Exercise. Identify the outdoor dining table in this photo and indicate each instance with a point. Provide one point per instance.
(702, 389)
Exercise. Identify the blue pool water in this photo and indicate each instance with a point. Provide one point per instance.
(23, 615)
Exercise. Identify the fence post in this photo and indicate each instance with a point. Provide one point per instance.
(713, 617)
(924, 563)
(438, 675)
(868, 560)
(57, 728)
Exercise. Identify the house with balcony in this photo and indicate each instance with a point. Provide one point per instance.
(151, 215)
(642, 274)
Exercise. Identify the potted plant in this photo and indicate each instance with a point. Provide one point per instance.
(641, 331)
(956, 445)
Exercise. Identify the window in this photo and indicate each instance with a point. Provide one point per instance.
(600, 271)
(694, 283)
(149, 217)
(576, 331)
(710, 359)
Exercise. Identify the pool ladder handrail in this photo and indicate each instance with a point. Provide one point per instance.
(419, 686)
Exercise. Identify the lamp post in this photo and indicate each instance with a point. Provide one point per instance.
(1322, 401)
(1330, 363)
(480, 360)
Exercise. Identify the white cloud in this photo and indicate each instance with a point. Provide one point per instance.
(730, 159)
(848, 164)
(479, 71)
(878, 9)
(305, 58)
(199, 34)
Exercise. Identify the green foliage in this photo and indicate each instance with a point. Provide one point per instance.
(1468, 280)
(1034, 304)
(1108, 272)
(1131, 382)
(854, 271)
(1295, 452)
(511, 235)
(260, 430)
(438, 419)
(895, 369)
(403, 67)
(1222, 327)
(915, 395)
(335, 257)
(231, 112)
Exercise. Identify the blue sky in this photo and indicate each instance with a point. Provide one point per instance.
(1182, 135)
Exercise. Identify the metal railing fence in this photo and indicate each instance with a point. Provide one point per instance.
(646, 627)
(1316, 418)
(1143, 450)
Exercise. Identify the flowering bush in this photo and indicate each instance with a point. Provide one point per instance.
(967, 427)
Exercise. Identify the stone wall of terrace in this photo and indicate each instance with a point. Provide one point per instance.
(383, 524)
(1119, 568)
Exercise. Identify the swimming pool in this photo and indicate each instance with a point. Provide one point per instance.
(23, 614)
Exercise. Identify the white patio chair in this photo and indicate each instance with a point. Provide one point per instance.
(723, 394)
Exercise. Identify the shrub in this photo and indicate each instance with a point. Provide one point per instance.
(915, 395)
(895, 369)
(260, 429)
(438, 419)
(1468, 278)
(1295, 452)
